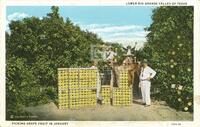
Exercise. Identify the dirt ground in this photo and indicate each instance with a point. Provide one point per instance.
(158, 111)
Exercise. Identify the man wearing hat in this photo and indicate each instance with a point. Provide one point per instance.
(146, 74)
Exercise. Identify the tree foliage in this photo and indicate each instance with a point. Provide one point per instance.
(35, 48)
(170, 51)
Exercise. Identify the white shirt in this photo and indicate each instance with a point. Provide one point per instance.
(111, 55)
(93, 67)
(146, 73)
(129, 52)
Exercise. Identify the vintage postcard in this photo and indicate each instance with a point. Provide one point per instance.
(100, 63)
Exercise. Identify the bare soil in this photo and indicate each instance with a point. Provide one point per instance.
(158, 111)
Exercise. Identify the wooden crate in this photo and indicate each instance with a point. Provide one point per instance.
(123, 79)
(106, 94)
(76, 87)
(122, 96)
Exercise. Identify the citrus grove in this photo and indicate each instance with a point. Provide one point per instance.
(35, 48)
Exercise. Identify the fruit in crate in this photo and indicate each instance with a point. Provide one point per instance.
(75, 81)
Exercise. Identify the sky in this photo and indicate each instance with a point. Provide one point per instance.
(122, 24)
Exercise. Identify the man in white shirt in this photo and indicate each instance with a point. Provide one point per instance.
(146, 75)
(111, 55)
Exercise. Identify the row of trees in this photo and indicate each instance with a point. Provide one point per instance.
(170, 51)
(35, 48)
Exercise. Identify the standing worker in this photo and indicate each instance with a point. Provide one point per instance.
(146, 75)
(99, 97)
(111, 54)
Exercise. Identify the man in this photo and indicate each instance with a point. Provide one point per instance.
(99, 97)
(146, 75)
(111, 55)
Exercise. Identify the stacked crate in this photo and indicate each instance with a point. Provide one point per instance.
(105, 93)
(123, 79)
(77, 87)
(87, 98)
(63, 93)
(122, 96)
(88, 78)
